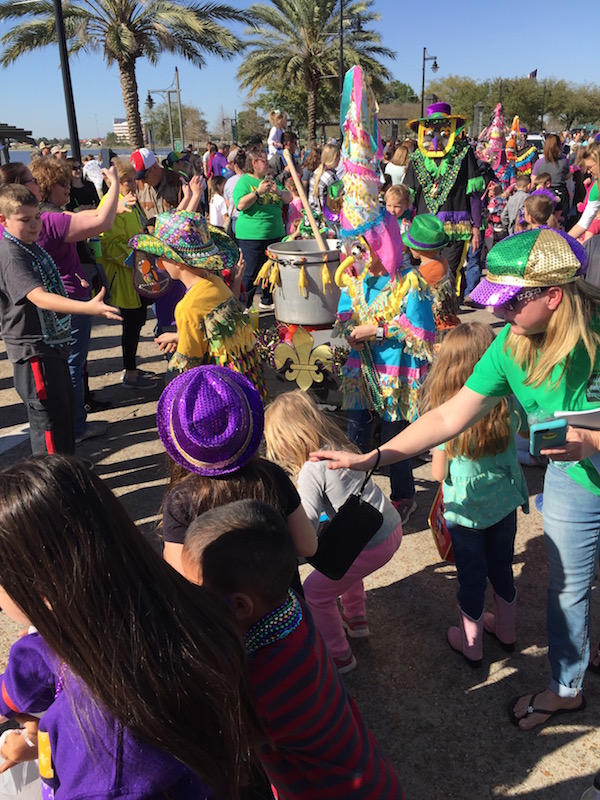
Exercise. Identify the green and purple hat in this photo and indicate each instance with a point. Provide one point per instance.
(187, 238)
(540, 257)
(426, 232)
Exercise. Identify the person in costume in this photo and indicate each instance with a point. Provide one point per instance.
(385, 314)
(492, 148)
(425, 239)
(525, 154)
(445, 180)
(212, 327)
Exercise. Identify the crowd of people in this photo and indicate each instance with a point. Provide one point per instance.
(127, 650)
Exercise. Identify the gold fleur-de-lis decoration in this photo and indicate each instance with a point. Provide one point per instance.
(304, 364)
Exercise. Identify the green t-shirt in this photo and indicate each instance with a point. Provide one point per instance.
(263, 220)
(497, 375)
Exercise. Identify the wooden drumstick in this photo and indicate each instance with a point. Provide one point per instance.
(305, 204)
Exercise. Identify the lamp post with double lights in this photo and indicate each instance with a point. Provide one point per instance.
(167, 93)
(434, 68)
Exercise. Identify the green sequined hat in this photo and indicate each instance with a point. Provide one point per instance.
(187, 238)
(540, 257)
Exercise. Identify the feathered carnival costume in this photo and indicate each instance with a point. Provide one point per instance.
(385, 376)
(493, 148)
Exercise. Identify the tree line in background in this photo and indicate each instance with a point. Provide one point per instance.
(563, 105)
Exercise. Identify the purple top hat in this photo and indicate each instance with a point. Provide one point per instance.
(438, 108)
(210, 420)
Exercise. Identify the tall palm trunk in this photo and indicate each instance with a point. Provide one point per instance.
(311, 111)
(129, 90)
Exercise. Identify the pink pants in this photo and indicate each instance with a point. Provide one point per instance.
(321, 593)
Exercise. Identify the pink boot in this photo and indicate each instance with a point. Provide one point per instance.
(501, 624)
(468, 638)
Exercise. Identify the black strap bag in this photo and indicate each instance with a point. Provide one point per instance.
(344, 536)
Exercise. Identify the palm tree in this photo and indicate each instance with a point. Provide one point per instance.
(296, 42)
(123, 31)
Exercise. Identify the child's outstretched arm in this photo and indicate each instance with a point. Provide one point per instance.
(438, 425)
(90, 223)
(20, 744)
(96, 307)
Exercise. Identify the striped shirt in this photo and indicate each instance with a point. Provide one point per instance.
(320, 746)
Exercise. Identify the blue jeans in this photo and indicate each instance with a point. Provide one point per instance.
(360, 427)
(572, 533)
(473, 267)
(81, 328)
(481, 554)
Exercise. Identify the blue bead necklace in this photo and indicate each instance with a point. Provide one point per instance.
(276, 625)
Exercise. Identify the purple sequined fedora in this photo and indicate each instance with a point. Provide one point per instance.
(210, 420)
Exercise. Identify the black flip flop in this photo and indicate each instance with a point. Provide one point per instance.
(531, 709)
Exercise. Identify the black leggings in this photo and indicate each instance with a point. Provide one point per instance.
(133, 322)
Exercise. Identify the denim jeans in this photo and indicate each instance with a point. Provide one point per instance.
(81, 328)
(572, 533)
(360, 428)
(481, 554)
(473, 268)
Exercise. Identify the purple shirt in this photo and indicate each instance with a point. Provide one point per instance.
(55, 227)
(89, 754)
(219, 163)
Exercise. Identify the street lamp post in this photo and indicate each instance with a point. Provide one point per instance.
(167, 93)
(341, 47)
(354, 24)
(66, 76)
(434, 68)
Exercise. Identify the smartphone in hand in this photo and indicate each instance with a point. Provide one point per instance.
(552, 433)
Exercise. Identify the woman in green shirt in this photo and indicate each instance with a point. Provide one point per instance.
(260, 201)
(548, 355)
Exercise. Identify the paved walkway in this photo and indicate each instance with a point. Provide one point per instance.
(443, 724)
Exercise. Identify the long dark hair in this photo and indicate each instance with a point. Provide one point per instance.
(164, 656)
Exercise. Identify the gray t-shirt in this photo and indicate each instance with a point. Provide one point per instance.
(323, 489)
(24, 326)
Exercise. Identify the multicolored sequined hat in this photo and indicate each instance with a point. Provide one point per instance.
(540, 257)
(362, 215)
(210, 420)
(186, 238)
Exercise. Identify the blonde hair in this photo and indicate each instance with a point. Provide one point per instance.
(569, 326)
(294, 427)
(399, 192)
(124, 169)
(276, 118)
(401, 156)
(48, 171)
(330, 158)
(592, 151)
(460, 350)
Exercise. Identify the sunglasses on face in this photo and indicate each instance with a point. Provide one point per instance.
(76, 167)
(524, 297)
(30, 180)
(64, 184)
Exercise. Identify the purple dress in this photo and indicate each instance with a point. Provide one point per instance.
(83, 751)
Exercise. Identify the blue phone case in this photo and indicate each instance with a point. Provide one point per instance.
(552, 433)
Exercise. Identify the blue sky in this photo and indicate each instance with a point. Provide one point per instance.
(33, 94)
